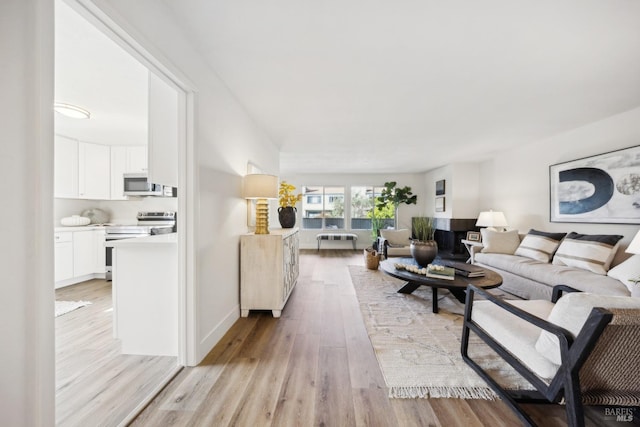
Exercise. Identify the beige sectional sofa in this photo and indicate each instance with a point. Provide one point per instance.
(532, 264)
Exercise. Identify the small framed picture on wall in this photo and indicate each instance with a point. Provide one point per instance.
(440, 204)
(440, 189)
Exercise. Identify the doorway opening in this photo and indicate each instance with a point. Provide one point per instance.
(88, 356)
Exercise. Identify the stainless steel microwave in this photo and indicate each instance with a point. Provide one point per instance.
(137, 184)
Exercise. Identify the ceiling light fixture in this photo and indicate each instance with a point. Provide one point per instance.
(71, 110)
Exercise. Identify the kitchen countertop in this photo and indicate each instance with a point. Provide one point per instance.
(158, 239)
(63, 228)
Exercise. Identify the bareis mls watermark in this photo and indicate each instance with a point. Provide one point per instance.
(619, 414)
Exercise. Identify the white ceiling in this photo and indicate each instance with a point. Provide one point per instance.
(387, 86)
(94, 73)
(367, 86)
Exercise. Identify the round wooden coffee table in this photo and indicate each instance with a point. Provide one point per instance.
(457, 286)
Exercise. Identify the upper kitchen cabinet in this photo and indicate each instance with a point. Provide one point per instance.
(163, 132)
(82, 170)
(94, 171)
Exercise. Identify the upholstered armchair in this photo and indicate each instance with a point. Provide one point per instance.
(581, 347)
(394, 243)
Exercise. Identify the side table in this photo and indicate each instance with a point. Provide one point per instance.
(469, 244)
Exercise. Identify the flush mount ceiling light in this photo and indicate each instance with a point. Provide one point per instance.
(71, 110)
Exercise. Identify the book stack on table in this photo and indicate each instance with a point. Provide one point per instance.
(440, 272)
(467, 270)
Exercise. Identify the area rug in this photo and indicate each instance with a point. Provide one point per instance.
(419, 351)
(64, 307)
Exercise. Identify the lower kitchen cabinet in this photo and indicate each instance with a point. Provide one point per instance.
(269, 270)
(63, 256)
(79, 256)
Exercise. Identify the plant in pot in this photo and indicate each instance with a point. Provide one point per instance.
(394, 196)
(424, 248)
(287, 204)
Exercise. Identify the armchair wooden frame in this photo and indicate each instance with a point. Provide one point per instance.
(566, 383)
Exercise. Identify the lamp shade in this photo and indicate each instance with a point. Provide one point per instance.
(491, 219)
(260, 186)
(634, 246)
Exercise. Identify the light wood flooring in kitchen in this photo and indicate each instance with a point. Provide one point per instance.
(314, 367)
(95, 384)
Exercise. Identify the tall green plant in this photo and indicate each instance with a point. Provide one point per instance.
(395, 196)
(423, 227)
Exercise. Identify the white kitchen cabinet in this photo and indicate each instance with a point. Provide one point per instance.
(63, 253)
(269, 270)
(84, 253)
(94, 171)
(137, 159)
(118, 169)
(79, 255)
(163, 132)
(65, 167)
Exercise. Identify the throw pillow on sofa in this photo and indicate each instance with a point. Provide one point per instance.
(625, 272)
(539, 245)
(592, 252)
(499, 242)
(396, 237)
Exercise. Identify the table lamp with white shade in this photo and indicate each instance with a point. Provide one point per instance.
(261, 187)
(492, 220)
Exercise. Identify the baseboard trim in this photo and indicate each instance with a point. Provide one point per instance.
(216, 334)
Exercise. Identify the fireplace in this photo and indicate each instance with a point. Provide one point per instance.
(449, 235)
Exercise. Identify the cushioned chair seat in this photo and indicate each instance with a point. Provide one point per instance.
(516, 334)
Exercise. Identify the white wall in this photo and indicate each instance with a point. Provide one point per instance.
(26, 168)
(405, 212)
(517, 181)
(462, 189)
(225, 140)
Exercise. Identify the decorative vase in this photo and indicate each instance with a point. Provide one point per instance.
(287, 216)
(424, 252)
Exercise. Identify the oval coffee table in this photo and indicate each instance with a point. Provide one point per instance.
(457, 286)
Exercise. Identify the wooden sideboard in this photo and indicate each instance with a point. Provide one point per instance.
(269, 270)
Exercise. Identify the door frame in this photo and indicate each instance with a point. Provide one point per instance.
(154, 61)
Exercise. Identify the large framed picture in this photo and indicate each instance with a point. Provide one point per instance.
(598, 189)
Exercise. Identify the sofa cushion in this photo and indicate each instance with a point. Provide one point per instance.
(539, 245)
(590, 252)
(552, 275)
(571, 312)
(515, 334)
(627, 270)
(499, 242)
(396, 237)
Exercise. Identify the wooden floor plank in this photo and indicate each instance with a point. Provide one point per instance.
(94, 381)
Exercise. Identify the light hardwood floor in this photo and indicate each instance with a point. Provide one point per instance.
(314, 367)
(95, 384)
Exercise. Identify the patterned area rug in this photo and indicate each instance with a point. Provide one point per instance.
(419, 351)
(64, 307)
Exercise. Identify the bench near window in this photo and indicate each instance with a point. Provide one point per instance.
(337, 236)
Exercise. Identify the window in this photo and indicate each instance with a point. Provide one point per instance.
(323, 207)
(363, 211)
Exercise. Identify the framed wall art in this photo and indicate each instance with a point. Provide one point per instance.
(440, 204)
(599, 189)
(440, 187)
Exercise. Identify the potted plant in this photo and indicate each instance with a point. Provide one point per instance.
(391, 195)
(424, 248)
(287, 204)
